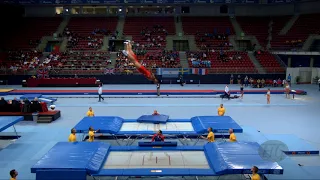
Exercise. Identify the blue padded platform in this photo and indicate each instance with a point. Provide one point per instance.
(159, 144)
(74, 156)
(153, 119)
(238, 158)
(8, 121)
(106, 124)
(219, 124)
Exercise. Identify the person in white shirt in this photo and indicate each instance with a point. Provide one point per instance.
(100, 93)
(227, 92)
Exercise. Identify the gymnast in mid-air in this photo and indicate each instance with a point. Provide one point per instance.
(133, 59)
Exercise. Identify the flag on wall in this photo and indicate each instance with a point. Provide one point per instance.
(108, 71)
(43, 73)
(199, 71)
(159, 71)
(170, 72)
(184, 71)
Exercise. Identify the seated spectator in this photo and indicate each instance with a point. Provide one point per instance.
(279, 82)
(274, 83)
(158, 137)
(258, 83)
(263, 82)
(255, 175)
(155, 113)
(90, 112)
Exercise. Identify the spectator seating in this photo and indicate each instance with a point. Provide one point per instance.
(31, 31)
(244, 65)
(20, 61)
(278, 24)
(83, 27)
(135, 25)
(256, 26)
(304, 26)
(204, 27)
(270, 63)
(80, 61)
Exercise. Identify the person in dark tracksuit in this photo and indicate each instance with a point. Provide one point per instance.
(158, 89)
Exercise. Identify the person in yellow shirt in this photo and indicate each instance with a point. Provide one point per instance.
(232, 137)
(210, 136)
(13, 174)
(221, 110)
(255, 175)
(91, 134)
(73, 137)
(90, 113)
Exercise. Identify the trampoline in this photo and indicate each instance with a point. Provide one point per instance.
(74, 161)
(8, 121)
(144, 127)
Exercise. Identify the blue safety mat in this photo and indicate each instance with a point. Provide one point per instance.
(8, 121)
(158, 144)
(106, 124)
(153, 119)
(30, 96)
(219, 124)
(238, 158)
(74, 156)
(295, 144)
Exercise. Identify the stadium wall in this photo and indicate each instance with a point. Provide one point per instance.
(139, 79)
(213, 9)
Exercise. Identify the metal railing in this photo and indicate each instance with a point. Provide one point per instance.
(115, 71)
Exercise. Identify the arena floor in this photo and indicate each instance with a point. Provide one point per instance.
(299, 117)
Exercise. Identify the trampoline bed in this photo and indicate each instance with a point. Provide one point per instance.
(133, 128)
(77, 160)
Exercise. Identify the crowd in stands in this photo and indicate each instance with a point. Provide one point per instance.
(18, 61)
(221, 40)
(201, 59)
(151, 38)
(94, 40)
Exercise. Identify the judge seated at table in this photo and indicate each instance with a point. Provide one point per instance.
(26, 107)
(15, 105)
(36, 106)
(3, 105)
(158, 137)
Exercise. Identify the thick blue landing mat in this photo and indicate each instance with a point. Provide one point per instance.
(219, 124)
(295, 144)
(74, 156)
(8, 121)
(106, 124)
(113, 124)
(238, 158)
(157, 119)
